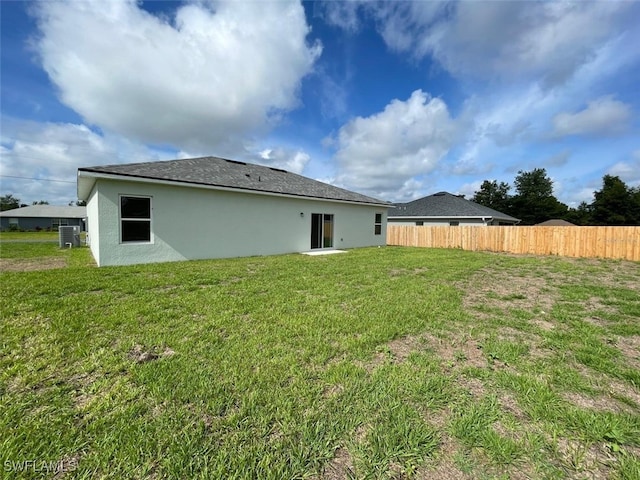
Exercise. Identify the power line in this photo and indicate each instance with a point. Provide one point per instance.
(38, 179)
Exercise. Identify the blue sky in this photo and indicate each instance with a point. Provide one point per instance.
(395, 100)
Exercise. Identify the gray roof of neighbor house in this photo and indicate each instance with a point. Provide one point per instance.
(444, 204)
(220, 172)
(555, 222)
(46, 211)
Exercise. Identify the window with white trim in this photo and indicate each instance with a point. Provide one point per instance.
(135, 219)
(377, 227)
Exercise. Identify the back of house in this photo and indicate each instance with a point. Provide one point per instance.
(211, 207)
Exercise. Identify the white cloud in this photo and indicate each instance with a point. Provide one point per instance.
(549, 40)
(42, 152)
(382, 153)
(215, 71)
(288, 159)
(575, 190)
(49, 151)
(343, 14)
(603, 116)
(469, 189)
(628, 171)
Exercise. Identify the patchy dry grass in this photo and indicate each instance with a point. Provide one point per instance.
(31, 264)
(381, 363)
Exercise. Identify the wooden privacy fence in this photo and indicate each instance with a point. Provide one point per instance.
(603, 242)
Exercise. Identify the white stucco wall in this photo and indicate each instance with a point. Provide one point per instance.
(93, 227)
(195, 223)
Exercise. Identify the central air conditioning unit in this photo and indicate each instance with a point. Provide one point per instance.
(69, 236)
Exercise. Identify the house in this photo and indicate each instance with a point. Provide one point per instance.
(214, 208)
(42, 217)
(444, 208)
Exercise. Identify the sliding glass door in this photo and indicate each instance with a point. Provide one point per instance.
(321, 230)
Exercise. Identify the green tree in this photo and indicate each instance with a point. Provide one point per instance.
(615, 203)
(580, 215)
(635, 202)
(494, 195)
(41, 202)
(9, 202)
(534, 201)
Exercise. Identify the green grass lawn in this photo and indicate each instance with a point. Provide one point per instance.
(41, 236)
(378, 363)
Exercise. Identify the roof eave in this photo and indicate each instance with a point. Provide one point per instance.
(86, 181)
(437, 217)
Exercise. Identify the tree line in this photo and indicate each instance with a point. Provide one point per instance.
(533, 201)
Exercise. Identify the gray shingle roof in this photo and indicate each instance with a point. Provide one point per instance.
(46, 211)
(444, 204)
(220, 172)
(556, 222)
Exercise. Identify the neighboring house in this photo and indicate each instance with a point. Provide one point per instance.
(42, 217)
(555, 222)
(446, 209)
(212, 208)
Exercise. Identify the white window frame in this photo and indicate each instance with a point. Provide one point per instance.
(122, 219)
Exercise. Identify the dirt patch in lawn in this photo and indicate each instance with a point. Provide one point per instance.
(31, 264)
(595, 304)
(621, 274)
(611, 386)
(340, 466)
(142, 354)
(509, 404)
(500, 289)
(401, 348)
(443, 465)
(600, 402)
(444, 470)
(395, 351)
(543, 324)
(474, 386)
(582, 460)
(621, 389)
(630, 349)
(465, 352)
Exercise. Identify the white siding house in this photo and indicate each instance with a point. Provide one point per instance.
(445, 209)
(214, 208)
